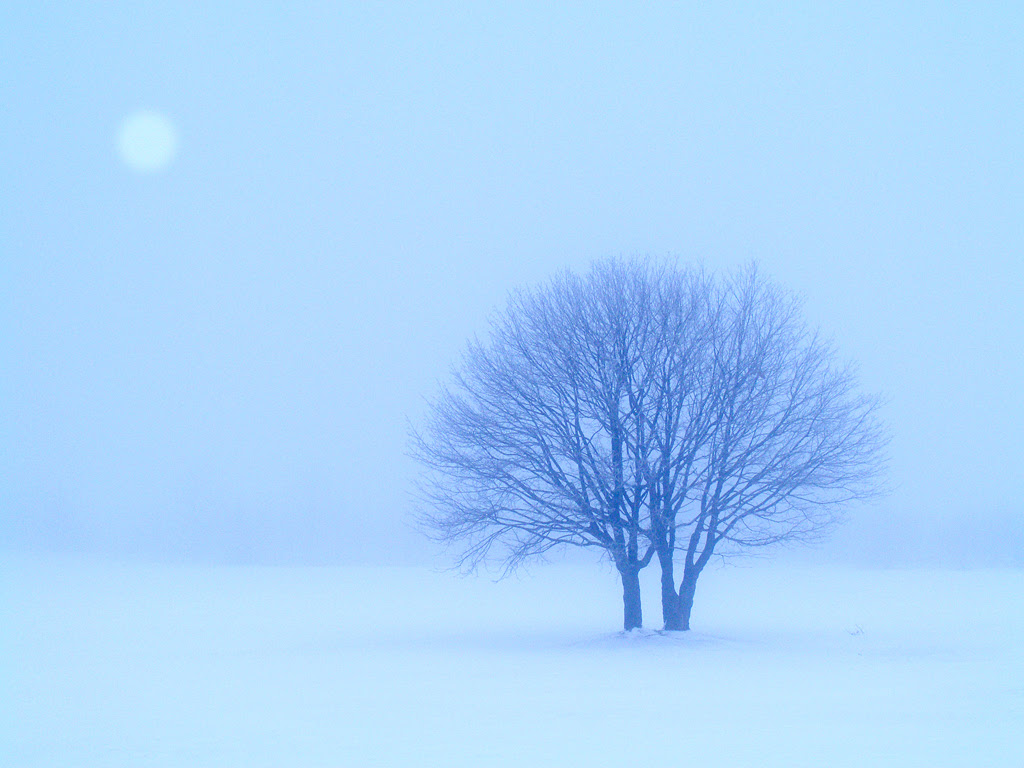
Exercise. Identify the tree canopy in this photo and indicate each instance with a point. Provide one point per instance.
(646, 409)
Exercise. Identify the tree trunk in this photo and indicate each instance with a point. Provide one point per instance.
(669, 598)
(632, 613)
(686, 591)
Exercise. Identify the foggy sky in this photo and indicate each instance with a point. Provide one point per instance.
(218, 361)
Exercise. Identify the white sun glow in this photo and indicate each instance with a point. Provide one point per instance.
(147, 141)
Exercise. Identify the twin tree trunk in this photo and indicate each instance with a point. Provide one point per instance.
(675, 606)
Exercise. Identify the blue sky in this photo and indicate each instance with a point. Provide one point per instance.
(218, 360)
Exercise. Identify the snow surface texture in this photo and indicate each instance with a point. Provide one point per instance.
(117, 665)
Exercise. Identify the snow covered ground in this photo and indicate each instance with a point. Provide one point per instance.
(129, 665)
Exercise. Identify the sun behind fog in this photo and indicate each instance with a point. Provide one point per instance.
(147, 141)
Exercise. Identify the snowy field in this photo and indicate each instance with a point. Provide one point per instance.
(117, 665)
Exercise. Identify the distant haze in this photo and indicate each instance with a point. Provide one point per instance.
(218, 361)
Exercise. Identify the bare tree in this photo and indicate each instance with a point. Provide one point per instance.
(783, 440)
(644, 409)
(543, 438)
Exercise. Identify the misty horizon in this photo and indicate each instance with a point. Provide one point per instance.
(237, 252)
